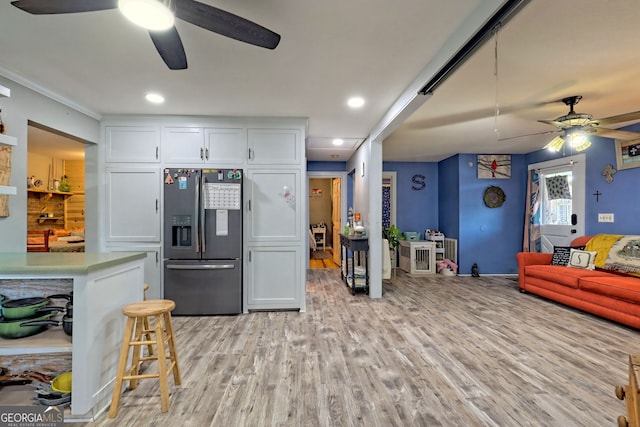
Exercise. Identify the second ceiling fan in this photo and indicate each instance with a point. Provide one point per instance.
(168, 42)
(575, 127)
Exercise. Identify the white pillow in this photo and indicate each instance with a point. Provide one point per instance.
(582, 259)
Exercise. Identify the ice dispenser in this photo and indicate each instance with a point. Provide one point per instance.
(181, 231)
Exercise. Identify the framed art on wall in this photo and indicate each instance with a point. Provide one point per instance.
(628, 154)
(494, 166)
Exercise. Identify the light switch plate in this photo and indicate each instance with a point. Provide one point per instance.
(605, 217)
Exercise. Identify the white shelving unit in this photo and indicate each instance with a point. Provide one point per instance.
(438, 239)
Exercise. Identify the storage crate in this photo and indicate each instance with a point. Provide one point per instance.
(418, 257)
(411, 235)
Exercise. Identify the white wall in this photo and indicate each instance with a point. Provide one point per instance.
(367, 200)
(25, 105)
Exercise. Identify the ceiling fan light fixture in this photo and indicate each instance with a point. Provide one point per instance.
(154, 15)
(555, 144)
(586, 144)
(575, 119)
(577, 139)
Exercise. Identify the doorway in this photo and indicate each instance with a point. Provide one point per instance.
(56, 187)
(561, 200)
(326, 209)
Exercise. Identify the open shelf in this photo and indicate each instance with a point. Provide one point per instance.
(48, 218)
(8, 140)
(43, 191)
(52, 340)
(5, 92)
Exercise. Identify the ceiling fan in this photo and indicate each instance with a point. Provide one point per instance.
(575, 127)
(168, 42)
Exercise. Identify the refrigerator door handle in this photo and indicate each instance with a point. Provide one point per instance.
(202, 219)
(200, 266)
(195, 215)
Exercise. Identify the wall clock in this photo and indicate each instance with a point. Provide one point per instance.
(494, 166)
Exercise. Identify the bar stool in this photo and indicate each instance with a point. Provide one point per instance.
(160, 312)
(147, 326)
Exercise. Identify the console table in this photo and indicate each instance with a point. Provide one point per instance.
(357, 245)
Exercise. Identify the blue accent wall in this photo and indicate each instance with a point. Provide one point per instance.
(416, 204)
(452, 202)
(618, 197)
(449, 197)
(490, 237)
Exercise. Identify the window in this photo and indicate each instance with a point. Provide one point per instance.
(556, 198)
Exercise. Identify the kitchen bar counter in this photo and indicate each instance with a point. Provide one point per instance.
(102, 284)
(62, 263)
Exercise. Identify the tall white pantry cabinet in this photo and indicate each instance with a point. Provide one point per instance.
(270, 151)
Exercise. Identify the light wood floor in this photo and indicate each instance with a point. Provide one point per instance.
(325, 262)
(437, 351)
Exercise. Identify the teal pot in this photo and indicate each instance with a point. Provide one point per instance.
(11, 328)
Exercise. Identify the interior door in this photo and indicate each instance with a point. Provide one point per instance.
(562, 201)
(335, 218)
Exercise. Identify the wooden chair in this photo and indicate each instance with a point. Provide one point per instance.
(40, 243)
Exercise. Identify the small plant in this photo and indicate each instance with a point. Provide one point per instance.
(393, 235)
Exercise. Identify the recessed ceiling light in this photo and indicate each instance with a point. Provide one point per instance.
(334, 156)
(154, 98)
(338, 141)
(355, 102)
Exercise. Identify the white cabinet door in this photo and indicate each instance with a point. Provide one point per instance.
(132, 144)
(275, 146)
(274, 205)
(152, 267)
(183, 145)
(133, 204)
(273, 278)
(226, 146)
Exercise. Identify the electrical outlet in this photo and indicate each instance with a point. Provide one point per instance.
(605, 217)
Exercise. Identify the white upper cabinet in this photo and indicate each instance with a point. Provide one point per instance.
(132, 144)
(275, 146)
(226, 146)
(183, 145)
(133, 204)
(274, 205)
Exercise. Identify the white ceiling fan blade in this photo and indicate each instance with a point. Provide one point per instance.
(548, 132)
(617, 134)
(620, 118)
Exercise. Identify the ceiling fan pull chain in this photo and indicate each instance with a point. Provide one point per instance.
(496, 29)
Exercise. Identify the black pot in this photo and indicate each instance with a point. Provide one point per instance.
(66, 322)
(69, 298)
(12, 328)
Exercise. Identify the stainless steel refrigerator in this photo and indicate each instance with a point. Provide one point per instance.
(203, 240)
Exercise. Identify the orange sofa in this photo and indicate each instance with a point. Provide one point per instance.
(607, 294)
